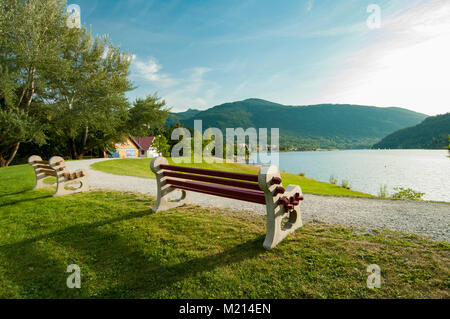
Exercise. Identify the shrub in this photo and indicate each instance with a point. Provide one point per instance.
(407, 193)
(383, 191)
(333, 179)
(345, 184)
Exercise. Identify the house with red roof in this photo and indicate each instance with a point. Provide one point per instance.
(134, 147)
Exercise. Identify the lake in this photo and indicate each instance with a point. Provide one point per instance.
(426, 171)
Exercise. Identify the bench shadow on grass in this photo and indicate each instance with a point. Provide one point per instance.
(121, 270)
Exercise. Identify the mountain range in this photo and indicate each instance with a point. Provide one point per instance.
(341, 126)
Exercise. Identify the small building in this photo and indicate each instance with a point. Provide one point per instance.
(134, 147)
(145, 147)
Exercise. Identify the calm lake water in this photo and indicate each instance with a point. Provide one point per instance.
(426, 171)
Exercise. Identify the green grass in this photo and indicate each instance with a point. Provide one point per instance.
(141, 168)
(124, 250)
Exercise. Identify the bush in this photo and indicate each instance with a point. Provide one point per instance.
(302, 174)
(333, 179)
(407, 194)
(345, 184)
(383, 191)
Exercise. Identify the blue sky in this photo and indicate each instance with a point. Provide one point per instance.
(197, 54)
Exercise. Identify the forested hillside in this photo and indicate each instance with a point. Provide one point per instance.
(432, 133)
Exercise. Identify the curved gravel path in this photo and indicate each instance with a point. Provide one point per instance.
(432, 219)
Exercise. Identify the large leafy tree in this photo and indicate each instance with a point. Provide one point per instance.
(87, 99)
(30, 34)
(63, 85)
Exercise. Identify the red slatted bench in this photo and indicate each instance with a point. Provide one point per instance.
(282, 205)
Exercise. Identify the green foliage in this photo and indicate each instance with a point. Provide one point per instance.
(432, 133)
(30, 34)
(383, 191)
(333, 179)
(309, 127)
(87, 97)
(345, 184)
(407, 194)
(161, 145)
(146, 114)
(16, 126)
(71, 82)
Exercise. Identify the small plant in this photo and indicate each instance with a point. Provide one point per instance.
(302, 174)
(345, 184)
(407, 194)
(333, 179)
(383, 191)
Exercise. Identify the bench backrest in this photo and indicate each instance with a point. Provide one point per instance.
(41, 167)
(241, 186)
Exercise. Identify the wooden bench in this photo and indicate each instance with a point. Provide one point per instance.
(282, 205)
(56, 167)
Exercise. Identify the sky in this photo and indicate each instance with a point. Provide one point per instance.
(201, 53)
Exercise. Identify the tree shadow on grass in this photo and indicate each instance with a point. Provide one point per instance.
(13, 202)
(111, 265)
(17, 193)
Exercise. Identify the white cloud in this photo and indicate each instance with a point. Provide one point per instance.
(193, 90)
(408, 65)
(149, 70)
(189, 89)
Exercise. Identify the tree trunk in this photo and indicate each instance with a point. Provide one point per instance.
(2, 161)
(5, 162)
(73, 147)
(83, 145)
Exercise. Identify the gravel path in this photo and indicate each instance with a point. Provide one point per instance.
(432, 219)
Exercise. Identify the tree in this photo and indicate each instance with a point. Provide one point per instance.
(146, 115)
(17, 125)
(161, 145)
(448, 147)
(30, 33)
(87, 97)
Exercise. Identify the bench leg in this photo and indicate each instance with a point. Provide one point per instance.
(281, 223)
(164, 190)
(164, 203)
(63, 183)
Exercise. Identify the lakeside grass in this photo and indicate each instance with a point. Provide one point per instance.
(141, 168)
(125, 251)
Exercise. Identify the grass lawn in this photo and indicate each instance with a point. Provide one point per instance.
(124, 250)
(141, 168)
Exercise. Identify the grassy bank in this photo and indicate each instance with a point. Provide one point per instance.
(124, 250)
(141, 168)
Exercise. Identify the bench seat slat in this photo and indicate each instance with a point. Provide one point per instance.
(46, 172)
(209, 172)
(247, 195)
(257, 200)
(208, 179)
